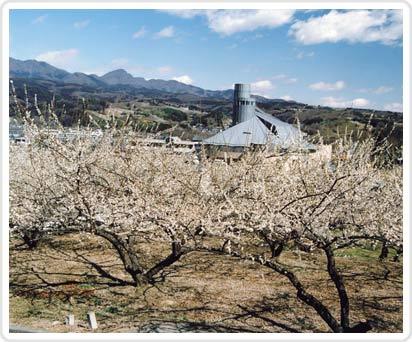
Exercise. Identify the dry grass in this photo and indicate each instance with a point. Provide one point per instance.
(208, 292)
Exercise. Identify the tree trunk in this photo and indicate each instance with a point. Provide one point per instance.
(384, 252)
(276, 249)
(129, 258)
(340, 287)
(177, 252)
(31, 238)
(320, 308)
(315, 303)
(131, 261)
(361, 327)
(307, 298)
(396, 257)
(30, 242)
(399, 252)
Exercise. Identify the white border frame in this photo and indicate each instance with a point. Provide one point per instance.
(405, 6)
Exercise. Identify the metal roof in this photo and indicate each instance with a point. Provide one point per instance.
(254, 131)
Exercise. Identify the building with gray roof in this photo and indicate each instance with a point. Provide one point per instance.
(251, 126)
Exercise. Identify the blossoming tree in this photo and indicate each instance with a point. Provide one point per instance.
(263, 205)
(110, 185)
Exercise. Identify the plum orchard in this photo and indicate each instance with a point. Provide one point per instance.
(252, 209)
(110, 188)
(260, 207)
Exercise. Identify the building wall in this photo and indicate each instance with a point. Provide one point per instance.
(243, 104)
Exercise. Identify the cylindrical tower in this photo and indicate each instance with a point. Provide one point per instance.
(243, 104)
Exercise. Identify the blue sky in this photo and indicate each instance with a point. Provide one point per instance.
(329, 57)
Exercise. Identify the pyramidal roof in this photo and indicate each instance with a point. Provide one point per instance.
(261, 129)
(248, 132)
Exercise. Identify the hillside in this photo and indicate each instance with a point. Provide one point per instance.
(331, 122)
(32, 69)
(177, 108)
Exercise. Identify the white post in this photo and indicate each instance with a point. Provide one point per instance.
(70, 320)
(91, 317)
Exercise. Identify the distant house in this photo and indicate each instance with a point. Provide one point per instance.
(16, 132)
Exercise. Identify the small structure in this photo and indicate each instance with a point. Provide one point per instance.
(251, 126)
(16, 132)
(91, 319)
(173, 143)
(70, 320)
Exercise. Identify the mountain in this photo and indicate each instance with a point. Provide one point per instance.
(121, 76)
(32, 69)
(83, 79)
(114, 80)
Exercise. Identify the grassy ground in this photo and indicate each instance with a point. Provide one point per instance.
(208, 292)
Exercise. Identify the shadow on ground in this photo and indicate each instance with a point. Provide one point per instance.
(201, 293)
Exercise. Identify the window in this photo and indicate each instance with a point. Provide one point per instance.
(269, 126)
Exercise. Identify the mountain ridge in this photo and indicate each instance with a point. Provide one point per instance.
(42, 70)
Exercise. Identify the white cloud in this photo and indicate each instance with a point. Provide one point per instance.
(339, 102)
(262, 88)
(167, 32)
(81, 24)
(353, 26)
(228, 22)
(394, 107)
(287, 98)
(382, 90)
(324, 86)
(60, 58)
(262, 85)
(40, 19)
(140, 33)
(183, 79)
(285, 79)
(360, 102)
